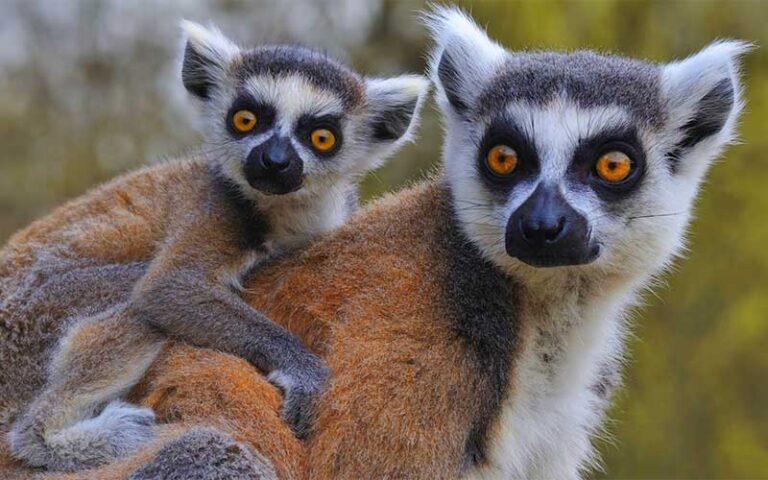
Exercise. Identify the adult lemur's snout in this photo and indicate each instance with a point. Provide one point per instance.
(547, 232)
(274, 167)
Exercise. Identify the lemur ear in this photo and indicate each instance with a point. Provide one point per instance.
(207, 55)
(395, 105)
(703, 99)
(462, 59)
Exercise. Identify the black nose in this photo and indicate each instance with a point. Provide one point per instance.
(274, 167)
(541, 229)
(277, 156)
(546, 231)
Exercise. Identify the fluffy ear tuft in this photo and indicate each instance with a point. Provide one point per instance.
(395, 105)
(704, 98)
(463, 56)
(207, 55)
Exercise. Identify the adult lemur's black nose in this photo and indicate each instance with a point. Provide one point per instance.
(546, 231)
(277, 156)
(543, 227)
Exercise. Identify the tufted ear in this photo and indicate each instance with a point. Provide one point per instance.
(395, 105)
(703, 100)
(394, 109)
(462, 59)
(207, 55)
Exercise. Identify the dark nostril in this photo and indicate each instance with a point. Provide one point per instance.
(540, 231)
(526, 230)
(274, 163)
(552, 233)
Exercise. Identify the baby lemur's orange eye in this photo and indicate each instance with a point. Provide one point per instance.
(614, 166)
(244, 121)
(501, 160)
(322, 139)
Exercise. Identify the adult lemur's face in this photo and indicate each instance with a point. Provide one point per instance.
(284, 119)
(566, 159)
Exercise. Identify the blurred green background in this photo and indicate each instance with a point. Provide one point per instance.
(90, 89)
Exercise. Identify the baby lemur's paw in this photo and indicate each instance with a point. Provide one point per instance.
(118, 430)
(126, 424)
(300, 391)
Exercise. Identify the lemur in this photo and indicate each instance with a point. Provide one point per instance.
(90, 294)
(473, 325)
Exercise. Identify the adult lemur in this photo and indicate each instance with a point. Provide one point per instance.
(473, 324)
(453, 351)
(89, 293)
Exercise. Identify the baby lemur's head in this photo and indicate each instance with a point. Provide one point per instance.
(285, 119)
(577, 160)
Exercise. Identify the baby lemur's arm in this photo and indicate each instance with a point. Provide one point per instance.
(191, 293)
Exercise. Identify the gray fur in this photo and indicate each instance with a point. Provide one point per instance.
(205, 454)
(588, 78)
(116, 431)
(316, 66)
(174, 307)
(34, 318)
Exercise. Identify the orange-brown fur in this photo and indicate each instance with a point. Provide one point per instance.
(121, 222)
(367, 299)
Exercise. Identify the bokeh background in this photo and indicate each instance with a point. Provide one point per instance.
(90, 89)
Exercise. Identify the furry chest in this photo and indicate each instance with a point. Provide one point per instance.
(552, 409)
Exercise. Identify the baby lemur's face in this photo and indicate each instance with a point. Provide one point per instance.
(285, 119)
(574, 159)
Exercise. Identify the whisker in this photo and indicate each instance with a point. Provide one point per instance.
(670, 214)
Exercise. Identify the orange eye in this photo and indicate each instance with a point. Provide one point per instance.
(244, 121)
(501, 160)
(322, 139)
(614, 166)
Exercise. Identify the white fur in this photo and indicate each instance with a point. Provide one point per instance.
(475, 55)
(210, 42)
(321, 204)
(119, 429)
(383, 93)
(575, 315)
(687, 81)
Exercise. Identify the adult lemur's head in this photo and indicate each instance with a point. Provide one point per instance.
(283, 119)
(565, 159)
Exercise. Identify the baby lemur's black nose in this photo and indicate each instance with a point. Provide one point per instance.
(545, 231)
(274, 167)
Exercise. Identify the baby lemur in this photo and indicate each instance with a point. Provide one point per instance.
(287, 133)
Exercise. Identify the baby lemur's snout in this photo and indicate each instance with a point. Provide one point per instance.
(547, 232)
(274, 167)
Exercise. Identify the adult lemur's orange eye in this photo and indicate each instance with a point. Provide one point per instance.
(501, 160)
(322, 139)
(614, 166)
(244, 121)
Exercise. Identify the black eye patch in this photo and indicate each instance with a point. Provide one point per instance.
(265, 115)
(504, 131)
(589, 150)
(309, 123)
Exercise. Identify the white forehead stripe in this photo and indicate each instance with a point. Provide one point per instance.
(557, 128)
(293, 96)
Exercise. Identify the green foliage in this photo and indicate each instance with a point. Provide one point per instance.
(695, 403)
